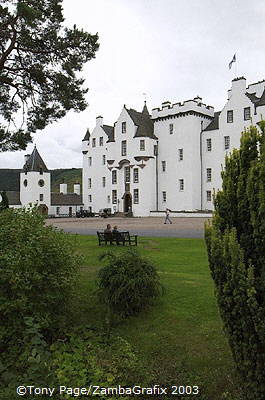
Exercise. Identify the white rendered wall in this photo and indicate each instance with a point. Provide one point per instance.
(31, 192)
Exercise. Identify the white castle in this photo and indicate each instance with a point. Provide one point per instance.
(170, 159)
(147, 163)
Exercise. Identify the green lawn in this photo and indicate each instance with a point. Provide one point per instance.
(180, 339)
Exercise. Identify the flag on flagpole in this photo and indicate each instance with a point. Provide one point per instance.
(233, 60)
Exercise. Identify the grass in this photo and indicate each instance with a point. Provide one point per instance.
(180, 339)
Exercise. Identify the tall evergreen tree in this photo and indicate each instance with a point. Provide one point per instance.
(236, 252)
(40, 61)
(4, 202)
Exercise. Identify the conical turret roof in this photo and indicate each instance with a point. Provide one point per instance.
(35, 162)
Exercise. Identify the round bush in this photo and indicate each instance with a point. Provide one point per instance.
(128, 283)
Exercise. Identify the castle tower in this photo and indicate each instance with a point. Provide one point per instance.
(35, 182)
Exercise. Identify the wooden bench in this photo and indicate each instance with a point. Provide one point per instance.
(123, 237)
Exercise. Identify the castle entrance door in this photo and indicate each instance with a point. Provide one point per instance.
(127, 202)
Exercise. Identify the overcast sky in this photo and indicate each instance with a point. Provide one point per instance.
(169, 49)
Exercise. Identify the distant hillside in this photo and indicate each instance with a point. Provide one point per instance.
(9, 178)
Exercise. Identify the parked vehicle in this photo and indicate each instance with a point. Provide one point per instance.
(104, 212)
(84, 214)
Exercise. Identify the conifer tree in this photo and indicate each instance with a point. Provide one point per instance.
(236, 252)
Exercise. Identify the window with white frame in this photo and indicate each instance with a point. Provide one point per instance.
(41, 197)
(136, 175)
(136, 196)
(230, 116)
(164, 197)
(180, 151)
(94, 142)
(171, 129)
(127, 174)
(101, 141)
(114, 196)
(208, 174)
(89, 183)
(247, 113)
(142, 145)
(123, 127)
(114, 177)
(57, 210)
(123, 148)
(89, 198)
(103, 181)
(89, 161)
(163, 163)
(227, 142)
(209, 144)
(208, 195)
(103, 159)
(181, 185)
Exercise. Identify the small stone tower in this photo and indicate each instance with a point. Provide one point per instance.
(35, 182)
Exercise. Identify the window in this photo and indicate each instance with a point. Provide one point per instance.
(163, 166)
(127, 174)
(114, 177)
(180, 151)
(208, 174)
(103, 159)
(89, 183)
(209, 144)
(136, 175)
(101, 141)
(89, 198)
(103, 181)
(230, 117)
(227, 142)
(181, 185)
(136, 196)
(25, 183)
(142, 145)
(123, 148)
(171, 129)
(57, 210)
(164, 197)
(94, 142)
(208, 195)
(41, 182)
(246, 113)
(89, 161)
(108, 199)
(123, 127)
(114, 196)
(41, 197)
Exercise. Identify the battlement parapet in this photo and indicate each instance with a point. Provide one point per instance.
(196, 105)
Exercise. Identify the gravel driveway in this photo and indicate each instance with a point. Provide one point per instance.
(189, 227)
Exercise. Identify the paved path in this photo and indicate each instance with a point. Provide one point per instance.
(188, 227)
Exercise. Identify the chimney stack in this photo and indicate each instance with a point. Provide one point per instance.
(99, 121)
(63, 188)
(77, 188)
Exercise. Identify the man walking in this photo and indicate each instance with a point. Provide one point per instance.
(167, 216)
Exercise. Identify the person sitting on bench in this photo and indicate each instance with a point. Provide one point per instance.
(108, 234)
(117, 235)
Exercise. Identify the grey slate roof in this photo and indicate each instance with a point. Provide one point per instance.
(214, 124)
(145, 126)
(109, 130)
(35, 162)
(87, 135)
(13, 198)
(69, 199)
(252, 97)
(261, 101)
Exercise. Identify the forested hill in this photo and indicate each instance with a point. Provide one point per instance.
(9, 178)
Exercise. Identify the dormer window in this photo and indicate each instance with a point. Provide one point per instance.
(123, 127)
(142, 145)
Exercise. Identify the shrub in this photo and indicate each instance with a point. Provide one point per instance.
(128, 283)
(38, 268)
(236, 252)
